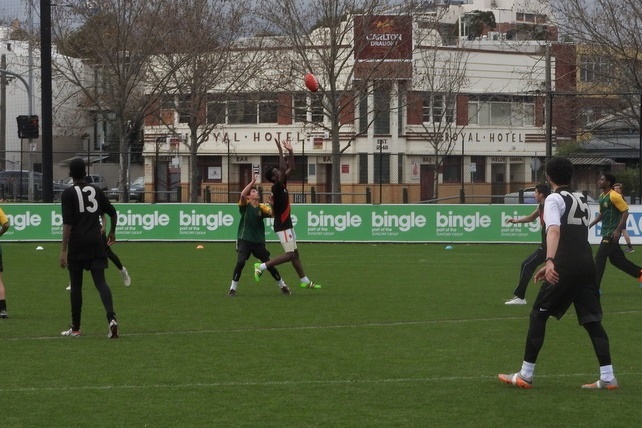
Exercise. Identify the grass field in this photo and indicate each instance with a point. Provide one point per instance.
(399, 335)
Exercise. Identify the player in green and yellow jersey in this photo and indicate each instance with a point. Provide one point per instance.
(251, 236)
(614, 212)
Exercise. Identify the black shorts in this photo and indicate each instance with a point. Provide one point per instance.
(557, 299)
(246, 248)
(87, 264)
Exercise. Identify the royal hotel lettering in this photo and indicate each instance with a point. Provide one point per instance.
(482, 137)
(238, 137)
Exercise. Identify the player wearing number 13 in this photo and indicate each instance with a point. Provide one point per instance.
(82, 243)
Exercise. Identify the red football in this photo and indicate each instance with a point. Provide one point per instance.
(311, 82)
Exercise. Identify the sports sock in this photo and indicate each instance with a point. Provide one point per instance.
(262, 267)
(3, 305)
(606, 373)
(527, 370)
(281, 283)
(234, 285)
(305, 280)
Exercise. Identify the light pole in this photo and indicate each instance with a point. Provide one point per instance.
(549, 105)
(462, 193)
(47, 101)
(226, 139)
(640, 152)
(3, 105)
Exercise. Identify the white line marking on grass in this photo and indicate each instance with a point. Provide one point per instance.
(317, 327)
(286, 383)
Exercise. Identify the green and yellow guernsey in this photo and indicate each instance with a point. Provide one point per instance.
(251, 226)
(612, 205)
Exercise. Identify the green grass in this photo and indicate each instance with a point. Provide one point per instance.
(399, 335)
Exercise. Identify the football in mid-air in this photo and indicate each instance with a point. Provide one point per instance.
(311, 82)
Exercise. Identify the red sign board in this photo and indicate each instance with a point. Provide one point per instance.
(383, 37)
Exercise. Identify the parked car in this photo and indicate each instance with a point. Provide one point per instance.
(95, 179)
(66, 182)
(529, 197)
(136, 191)
(15, 184)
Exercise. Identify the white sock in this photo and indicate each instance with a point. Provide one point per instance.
(606, 373)
(262, 267)
(281, 283)
(527, 370)
(234, 285)
(305, 280)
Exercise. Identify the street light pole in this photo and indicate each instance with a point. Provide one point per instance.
(47, 101)
(640, 152)
(549, 105)
(462, 193)
(226, 139)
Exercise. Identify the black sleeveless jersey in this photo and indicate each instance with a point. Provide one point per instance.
(574, 252)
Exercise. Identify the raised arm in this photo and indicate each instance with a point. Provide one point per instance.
(246, 189)
(290, 164)
(285, 167)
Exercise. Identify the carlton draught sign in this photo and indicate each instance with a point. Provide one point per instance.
(383, 37)
(383, 46)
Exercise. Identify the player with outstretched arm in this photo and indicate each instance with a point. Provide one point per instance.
(282, 219)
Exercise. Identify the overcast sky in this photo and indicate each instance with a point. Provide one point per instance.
(10, 9)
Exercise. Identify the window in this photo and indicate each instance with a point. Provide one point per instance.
(363, 168)
(382, 168)
(241, 112)
(216, 112)
(479, 173)
(594, 69)
(363, 114)
(530, 17)
(245, 110)
(209, 169)
(452, 169)
(301, 108)
(184, 109)
(268, 111)
(382, 112)
(436, 109)
(501, 111)
(587, 117)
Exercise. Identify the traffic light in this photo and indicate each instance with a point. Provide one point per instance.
(28, 126)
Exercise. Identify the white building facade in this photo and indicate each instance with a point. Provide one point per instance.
(455, 121)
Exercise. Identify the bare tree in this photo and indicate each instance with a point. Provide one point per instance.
(438, 82)
(608, 35)
(325, 37)
(206, 64)
(115, 40)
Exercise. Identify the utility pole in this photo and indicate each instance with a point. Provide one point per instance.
(640, 152)
(549, 104)
(3, 107)
(47, 101)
